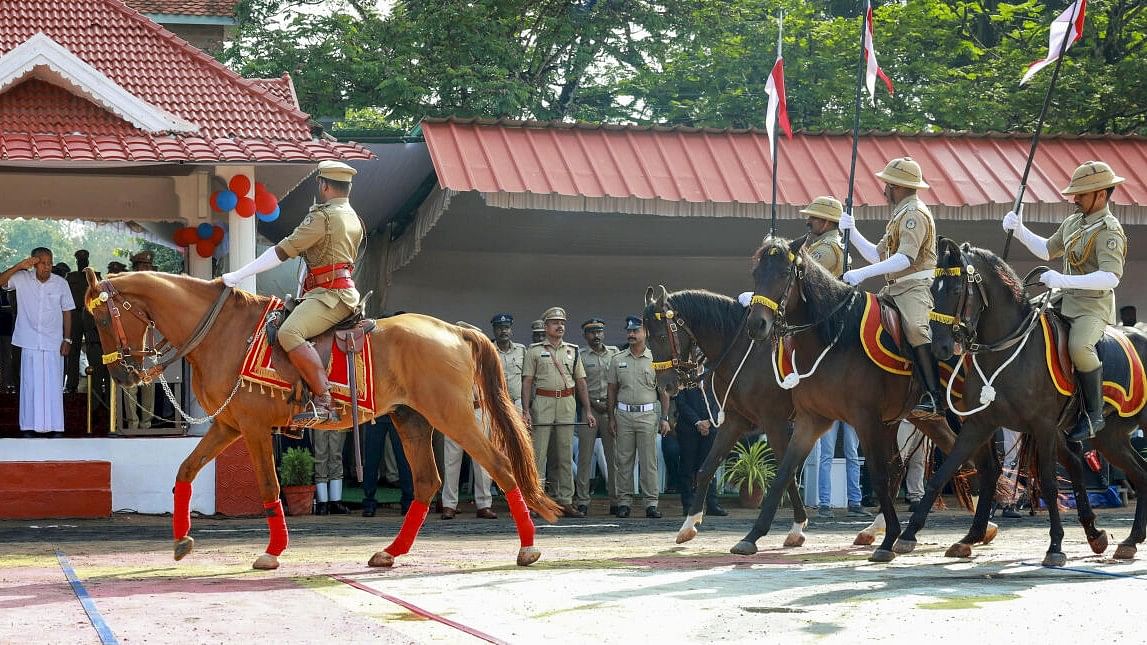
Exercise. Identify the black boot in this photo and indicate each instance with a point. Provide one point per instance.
(1091, 407)
(307, 361)
(931, 403)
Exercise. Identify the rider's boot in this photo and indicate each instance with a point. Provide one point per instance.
(931, 403)
(1091, 408)
(319, 410)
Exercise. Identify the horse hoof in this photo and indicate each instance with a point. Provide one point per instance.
(686, 534)
(864, 539)
(990, 533)
(528, 555)
(1125, 552)
(1099, 544)
(959, 550)
(744, 547)
(794, 540)
(381, 559)
(1054, 560)
(266, 562)
(883, 555)
(183, 546)
(901, 547)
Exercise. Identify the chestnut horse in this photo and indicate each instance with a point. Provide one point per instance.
(743, 382)
(982, 306)
(426, 373)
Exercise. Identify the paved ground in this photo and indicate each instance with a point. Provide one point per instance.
(599, 580)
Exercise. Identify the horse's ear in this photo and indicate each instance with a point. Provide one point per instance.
(662, 295)
(967, 247)
(91, 276)
(796, 245)
(648, 296)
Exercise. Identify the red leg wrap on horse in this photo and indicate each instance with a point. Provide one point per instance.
(181, 516)
(521, 516)
(415, 516)
(278, 525)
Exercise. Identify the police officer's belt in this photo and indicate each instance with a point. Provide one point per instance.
(331, 276)
(643, 407)
(926, 273)
(554, 394)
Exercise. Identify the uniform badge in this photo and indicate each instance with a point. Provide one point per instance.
(1111, 244)
(306, 220)
(910, 224)
(621, 365)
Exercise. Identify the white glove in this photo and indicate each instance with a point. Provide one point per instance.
(854, 277)
(269, 260)
(1053, 279)
(897, 262)
(847, 223)
(1012, 221)
(1096, 280)
(745, 298)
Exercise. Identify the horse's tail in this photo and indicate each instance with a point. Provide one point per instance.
(508, 429)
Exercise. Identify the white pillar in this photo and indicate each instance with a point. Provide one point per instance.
(240, 229)
(198, 267)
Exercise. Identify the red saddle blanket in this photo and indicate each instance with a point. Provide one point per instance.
(258, 367)
(1124, 381)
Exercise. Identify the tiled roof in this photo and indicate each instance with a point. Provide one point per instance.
(233, 114)
(698, 165)
(281, 88)
(215, 8)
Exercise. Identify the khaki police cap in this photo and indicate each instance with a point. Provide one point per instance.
(143, 257)
(1091, 176)
(828, 208)
(336, 171)
(554, 313)
(903, 171)
(538, 325)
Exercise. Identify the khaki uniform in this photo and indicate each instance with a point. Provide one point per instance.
(513, 361)
(636, 431)
(1089, 243)
(597, 381)
(911, 231)
(329, 234)
(828, 251)
(555, 371)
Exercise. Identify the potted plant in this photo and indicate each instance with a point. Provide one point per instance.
(296, 476)
(750, 468)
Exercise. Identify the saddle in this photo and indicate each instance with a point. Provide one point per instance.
(890, 318)
(1124, 380)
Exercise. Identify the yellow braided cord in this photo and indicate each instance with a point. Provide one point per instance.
(942, 318)
(761, 300)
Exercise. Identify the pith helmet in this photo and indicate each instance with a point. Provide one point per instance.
(554, 313)
(903, 171)
(828, 208)
(1091, 176)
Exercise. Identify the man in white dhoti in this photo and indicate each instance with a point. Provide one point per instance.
(43, 331)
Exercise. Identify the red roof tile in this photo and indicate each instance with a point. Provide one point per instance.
(696, 165)
(154, 65)
(214, 8)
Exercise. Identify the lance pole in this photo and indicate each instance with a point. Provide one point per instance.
(855, 128)
(776, 139)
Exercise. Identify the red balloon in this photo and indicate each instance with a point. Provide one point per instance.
(260, 187)
(240, 185)
(245, 207)
(215, 204)
(205, 248)
(265, 203)
(217, 234)
(186, 236)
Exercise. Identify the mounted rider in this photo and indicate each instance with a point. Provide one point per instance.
(328, 239)
(907, 256)
(1094, 249)
(824, 243)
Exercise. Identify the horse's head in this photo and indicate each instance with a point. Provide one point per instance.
(959, 296)
(777, 268)
(122, 318)
(674, 349)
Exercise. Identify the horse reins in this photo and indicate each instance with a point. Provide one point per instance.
(682, 363)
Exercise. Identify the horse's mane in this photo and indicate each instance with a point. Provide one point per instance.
(701, 308)
(997, 267)
(821, 292)
(154, 282)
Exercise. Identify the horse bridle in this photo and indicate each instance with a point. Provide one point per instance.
(795, 272)
(680, 354)
(110, 297)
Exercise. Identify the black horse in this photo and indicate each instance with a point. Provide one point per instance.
(981, 305)
(821, 316)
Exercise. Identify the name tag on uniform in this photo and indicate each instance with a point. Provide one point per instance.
(545, 354)
(621, 365)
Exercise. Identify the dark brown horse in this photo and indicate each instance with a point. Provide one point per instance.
(821, 316)
(982, 306)
(426, 373)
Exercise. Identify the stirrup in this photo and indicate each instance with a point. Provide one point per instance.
(1085, 428)
(928, 407)
(313, 415)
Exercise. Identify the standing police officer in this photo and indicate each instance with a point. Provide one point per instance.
(596, 357)
(907, 255)
(513, 355)
(328, 239)
(1094, 249)
(552, 374)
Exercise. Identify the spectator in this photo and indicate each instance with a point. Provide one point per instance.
(538, 331)
(143, 261)
(913, 453)
(553, 372)
(43, 331)
(375, 434)
(139, 406)
(8, 356)
(84, 334)
(827, 450)
(1128, 317)
(329, 471)
(452, 467)
(61, 269)
(695, 434)
(596, 357)
(633, 396)
(115, 267)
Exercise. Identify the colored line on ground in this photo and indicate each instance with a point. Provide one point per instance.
(421, 612)
(1090, 571)
(105, 632)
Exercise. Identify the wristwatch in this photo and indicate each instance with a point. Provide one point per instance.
(68, 341)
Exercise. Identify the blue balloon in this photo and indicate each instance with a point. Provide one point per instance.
(269, 217)
(226, 200)
(204, 231)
